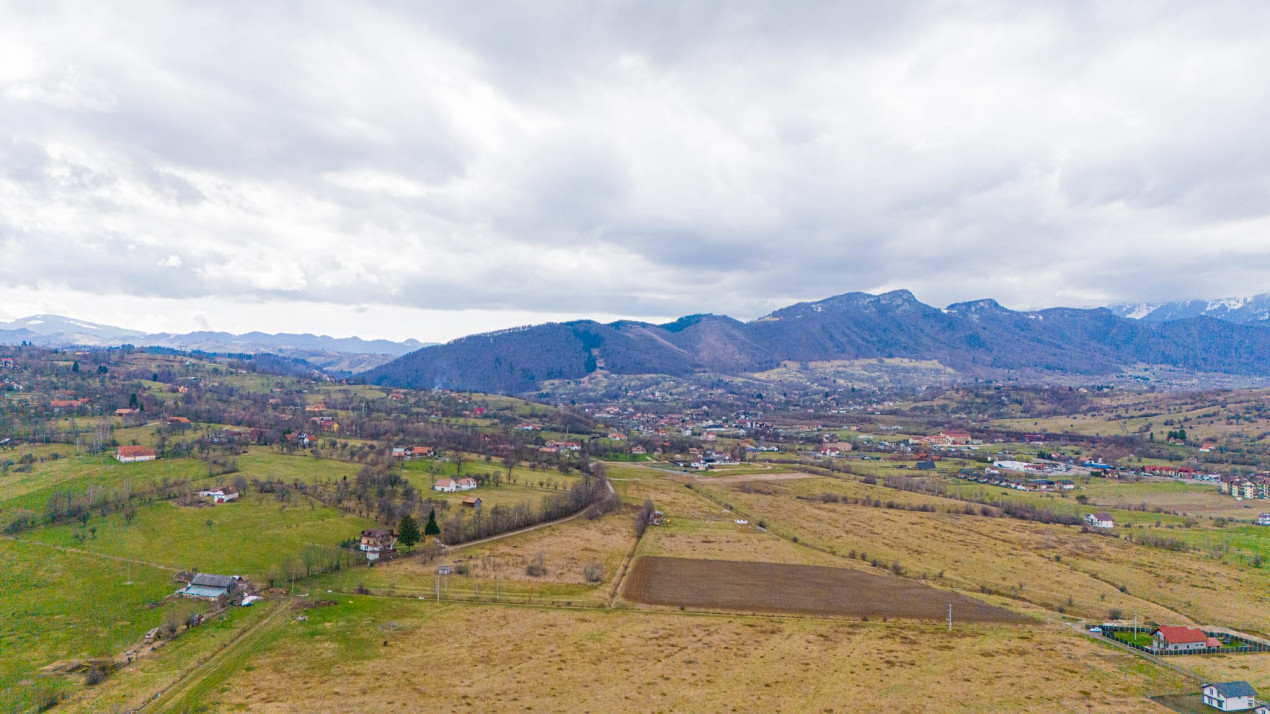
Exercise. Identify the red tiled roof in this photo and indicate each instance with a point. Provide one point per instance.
(1182, 635)
(136, 451)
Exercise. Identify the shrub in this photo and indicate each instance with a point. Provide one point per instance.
(1115, 614)
(593, 572)
(538, 567)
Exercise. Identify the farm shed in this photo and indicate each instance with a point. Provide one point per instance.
(472, 501)
(206, 586)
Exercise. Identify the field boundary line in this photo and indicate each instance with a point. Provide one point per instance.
(91, 554)
(202, 669)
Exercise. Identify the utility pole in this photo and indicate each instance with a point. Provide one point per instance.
(950, 617)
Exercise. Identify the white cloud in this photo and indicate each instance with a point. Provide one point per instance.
(637, 159)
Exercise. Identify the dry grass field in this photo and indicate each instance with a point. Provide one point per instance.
(376, 654)
(1056, 567)
(727, 540)
(798, 589)
(500, 566)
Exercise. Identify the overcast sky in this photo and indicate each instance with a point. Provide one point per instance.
(375, 169)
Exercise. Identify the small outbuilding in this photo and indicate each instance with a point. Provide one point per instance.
(472, 501)
(206, 586)
(220, 494)
(1230, 696)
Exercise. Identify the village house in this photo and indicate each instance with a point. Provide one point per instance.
(465, 484)
(126, 412)
(6, 362)
(472, 501)
(1182, 639)
(1230, 696)
(206, 586)
(1100, 520)
(179, 420)
(220, 494)
(326, 423)
(376, 541)
(445, 485)
(132, 454)
(60, 404)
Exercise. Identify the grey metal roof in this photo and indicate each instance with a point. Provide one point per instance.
(213, 581)
(1233, 689)
(203, 591)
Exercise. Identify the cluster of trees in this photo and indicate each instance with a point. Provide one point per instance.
(968, 509)
(591, 492)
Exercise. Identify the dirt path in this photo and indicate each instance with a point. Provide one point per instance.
(252, 635)
(91, 554)
(527, 529)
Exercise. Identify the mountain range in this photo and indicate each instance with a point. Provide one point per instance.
(973, 338)
(1253, 310)
(330, 354)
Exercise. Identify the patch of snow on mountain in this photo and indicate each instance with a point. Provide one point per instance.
(1228, 303)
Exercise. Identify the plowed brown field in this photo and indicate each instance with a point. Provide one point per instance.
(806, 589)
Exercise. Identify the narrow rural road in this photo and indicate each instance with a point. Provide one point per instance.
(536, 526)
(182, 686)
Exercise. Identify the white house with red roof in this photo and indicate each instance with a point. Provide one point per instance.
(446, 485)
(1182, 639)
(132, 454)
